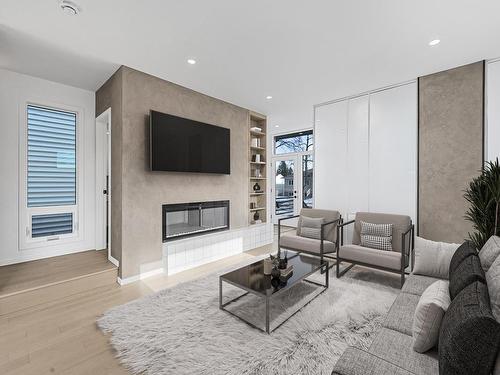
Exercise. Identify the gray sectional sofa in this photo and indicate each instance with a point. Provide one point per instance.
(391, 351)
(469, 334)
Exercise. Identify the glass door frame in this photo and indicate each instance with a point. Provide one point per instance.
(298, 178)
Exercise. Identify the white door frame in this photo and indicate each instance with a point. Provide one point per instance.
(296, 157)
(103, 146)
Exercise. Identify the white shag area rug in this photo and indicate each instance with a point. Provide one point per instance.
(182, 331)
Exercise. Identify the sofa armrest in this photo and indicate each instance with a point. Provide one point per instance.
(356, 361)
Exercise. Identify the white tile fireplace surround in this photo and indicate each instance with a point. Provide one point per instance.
(190, 252)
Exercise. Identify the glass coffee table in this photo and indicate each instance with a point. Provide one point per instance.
(251, 279)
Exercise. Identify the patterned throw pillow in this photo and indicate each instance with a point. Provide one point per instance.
(376, 236)
(376, 242)
(381, 230)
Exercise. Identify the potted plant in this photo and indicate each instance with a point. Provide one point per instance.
(483, 194)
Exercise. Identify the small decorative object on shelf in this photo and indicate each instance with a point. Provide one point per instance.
(256, 216)
(257, 158)
(256, 187)
(256, 129)
(255, 142)
(252, 205)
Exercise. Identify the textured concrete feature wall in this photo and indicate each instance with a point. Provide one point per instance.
(450, 149)
(143, 192)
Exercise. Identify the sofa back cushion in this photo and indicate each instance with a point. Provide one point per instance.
(467, 272)
(433, 258)
(429, 314)
(469, 337)
(465, 250)
(489, 252)
(400, 223)
(493, 283)
(328, 215)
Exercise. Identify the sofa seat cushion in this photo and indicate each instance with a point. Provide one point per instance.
(400, 316)
(467, 272)
(291, 240)
(417, 284)
(470, 336)
(355, 361)
(381, 258)
(396, 347)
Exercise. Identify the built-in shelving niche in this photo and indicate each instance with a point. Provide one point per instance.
(258, 169)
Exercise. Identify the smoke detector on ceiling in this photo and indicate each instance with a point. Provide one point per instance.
(69, 7)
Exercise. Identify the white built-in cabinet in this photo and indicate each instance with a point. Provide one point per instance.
(366, 152)
(493, 110)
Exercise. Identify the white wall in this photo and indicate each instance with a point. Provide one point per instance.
(15, 90)
(366, 152)
(493, 110)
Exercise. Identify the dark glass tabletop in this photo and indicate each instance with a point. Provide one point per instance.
(252, 278)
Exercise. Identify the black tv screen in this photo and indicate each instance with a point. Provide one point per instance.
(182, 145)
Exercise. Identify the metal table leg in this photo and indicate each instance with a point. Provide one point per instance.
(267, 314)
(220, 293)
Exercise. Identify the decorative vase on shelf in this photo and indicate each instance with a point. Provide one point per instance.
(256, 215)
(256, 187)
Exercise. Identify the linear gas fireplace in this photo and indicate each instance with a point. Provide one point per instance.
(193, 219)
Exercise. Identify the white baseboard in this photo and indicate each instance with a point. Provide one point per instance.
(141, 276)
(114, 261)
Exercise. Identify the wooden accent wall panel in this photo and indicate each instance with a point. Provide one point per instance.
(451, 133)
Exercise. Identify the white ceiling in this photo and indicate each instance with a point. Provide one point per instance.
(300, 52)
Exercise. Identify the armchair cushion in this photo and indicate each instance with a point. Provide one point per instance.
(291, 241)
(330, 231)
(374, 257)
(310, 227)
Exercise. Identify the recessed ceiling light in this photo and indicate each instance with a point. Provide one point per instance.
(69, 7)
(191, 61)
(269, 97)
(434, 42)
(276, 126)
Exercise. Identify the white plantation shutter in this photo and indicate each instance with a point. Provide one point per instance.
(51, 157)
(51, 171)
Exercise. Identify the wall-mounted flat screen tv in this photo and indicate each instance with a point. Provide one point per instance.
(182, 145)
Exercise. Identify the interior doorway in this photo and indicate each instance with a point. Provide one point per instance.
(103, 183)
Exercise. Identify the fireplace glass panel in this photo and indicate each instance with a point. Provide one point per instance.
(189, 219)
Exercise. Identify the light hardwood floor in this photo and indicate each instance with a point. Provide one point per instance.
(39, 273)
(58, 335)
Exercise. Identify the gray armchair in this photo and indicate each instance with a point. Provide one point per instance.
(322, 247)
(392, 261)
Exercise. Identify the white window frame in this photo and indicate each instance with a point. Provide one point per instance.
(26, 241)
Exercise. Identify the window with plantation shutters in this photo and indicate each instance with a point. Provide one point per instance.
(51, 193)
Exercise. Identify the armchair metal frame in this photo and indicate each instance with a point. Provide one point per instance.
(407, 254)
(322, 255)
